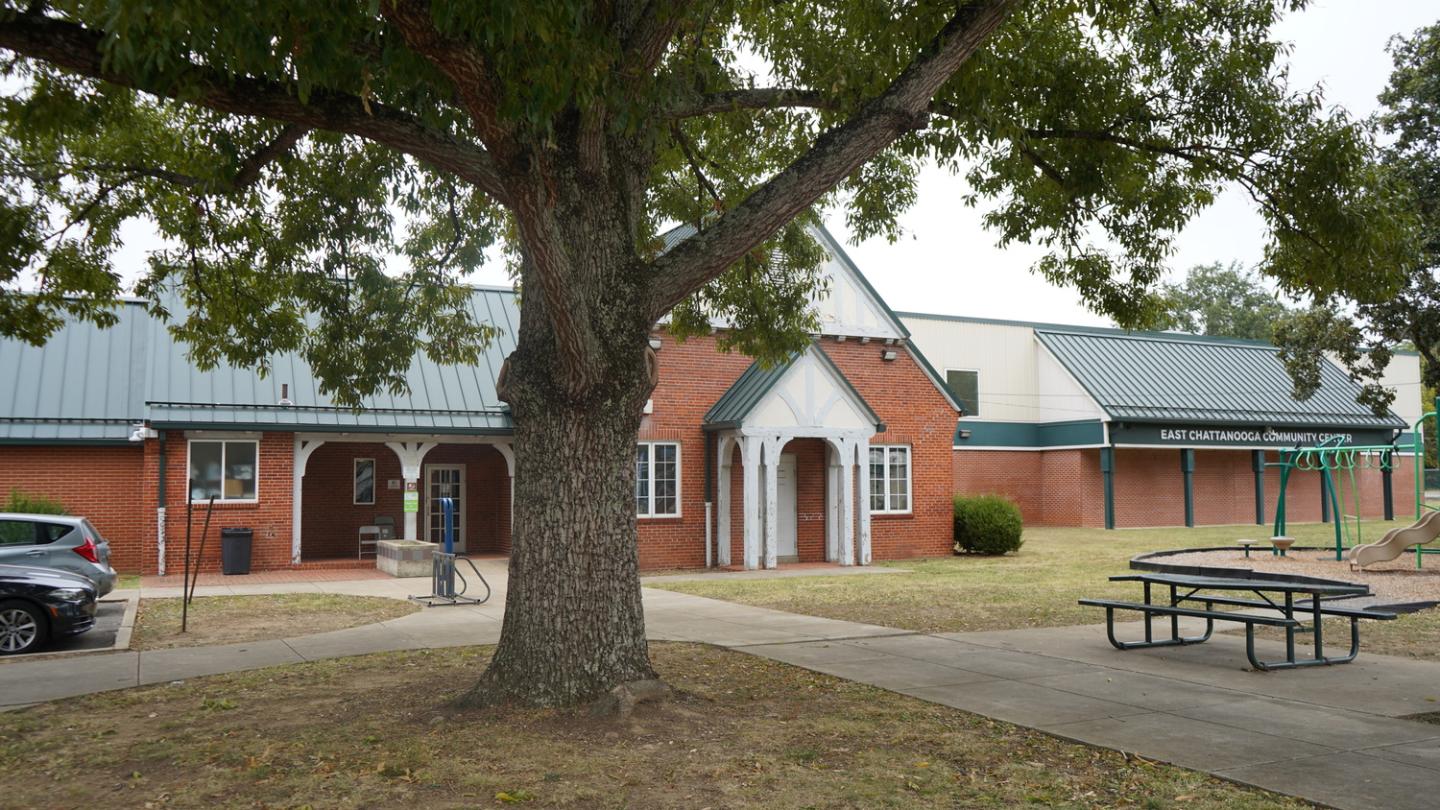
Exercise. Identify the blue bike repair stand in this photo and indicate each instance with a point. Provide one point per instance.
(443, 573)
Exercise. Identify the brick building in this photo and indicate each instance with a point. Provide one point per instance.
(841, 454)
(1100, 427)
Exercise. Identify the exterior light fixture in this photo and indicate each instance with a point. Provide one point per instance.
(888, 355)
(655, 344)
(649, 407)
(964, 434)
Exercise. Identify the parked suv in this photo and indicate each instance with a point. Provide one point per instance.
(62, 542)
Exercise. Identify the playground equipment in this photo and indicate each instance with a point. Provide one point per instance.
(1328, 458)
(1332, 456)
(443, 571)
(1395, 541)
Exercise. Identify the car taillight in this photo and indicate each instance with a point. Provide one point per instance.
(88, 550)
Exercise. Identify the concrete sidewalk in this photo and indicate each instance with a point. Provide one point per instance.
(1332, 735)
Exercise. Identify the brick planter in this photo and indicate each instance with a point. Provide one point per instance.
(405, 558)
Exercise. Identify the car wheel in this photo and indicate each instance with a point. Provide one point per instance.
(22, 627)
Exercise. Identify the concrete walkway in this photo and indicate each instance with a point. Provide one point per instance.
(1332, 735)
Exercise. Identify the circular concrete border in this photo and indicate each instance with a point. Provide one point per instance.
(1151, 561)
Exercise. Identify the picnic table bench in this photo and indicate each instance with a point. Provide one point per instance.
(1188, 593)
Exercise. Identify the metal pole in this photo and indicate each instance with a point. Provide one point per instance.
(1387, 483)
(1257, 461)
(1107, 474)
(185, 575)
(1187, 467)
(204, 533)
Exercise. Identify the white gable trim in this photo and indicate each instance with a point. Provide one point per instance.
(810, 398)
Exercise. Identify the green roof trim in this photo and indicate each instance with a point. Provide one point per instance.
(974, 434)
(1150, 378)
(730, 410)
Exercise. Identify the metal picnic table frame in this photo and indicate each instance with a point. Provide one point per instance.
(1188, 588)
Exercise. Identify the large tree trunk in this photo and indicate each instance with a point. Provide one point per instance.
(574, 626)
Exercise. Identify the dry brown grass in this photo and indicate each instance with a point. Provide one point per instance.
(375, 732)
(235, 619)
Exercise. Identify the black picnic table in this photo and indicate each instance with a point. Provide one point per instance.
(1291, 598)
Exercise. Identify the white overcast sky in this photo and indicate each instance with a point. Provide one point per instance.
(947, 263)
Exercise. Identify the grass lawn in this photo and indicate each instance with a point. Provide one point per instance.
(1036, 587)
(234, 619)
(742, 732)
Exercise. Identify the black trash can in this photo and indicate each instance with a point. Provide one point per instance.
(235, 550)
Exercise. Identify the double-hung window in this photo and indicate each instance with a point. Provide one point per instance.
(890, 479)
(657, 479)
(225, 470)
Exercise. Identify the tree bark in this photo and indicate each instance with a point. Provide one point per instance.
(576, 385)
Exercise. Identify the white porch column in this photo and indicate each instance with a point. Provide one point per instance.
(832, 503)
(846, 534)
(750, 461)
(725, 447)
(508, 452)
(772, 476)
(411, 454)
(862, 457)
(300, 458)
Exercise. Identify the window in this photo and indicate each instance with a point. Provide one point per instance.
(365, 481)
(965, 385)
(224, 470)
(657, 479)
(890, 479)
(17, 533)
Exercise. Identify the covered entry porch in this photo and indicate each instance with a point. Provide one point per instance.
(792, 475)
(349, 490)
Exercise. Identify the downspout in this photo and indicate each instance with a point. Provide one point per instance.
(160, 513)
(709, 498)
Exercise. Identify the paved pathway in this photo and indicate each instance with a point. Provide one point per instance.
(1330, 734)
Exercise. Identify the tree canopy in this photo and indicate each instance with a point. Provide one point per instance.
(1224, 301)
(295, 155)
(1364, 332)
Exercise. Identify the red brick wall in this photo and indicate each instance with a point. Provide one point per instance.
(331, 520)
(99, 483)
(695, 373)
(269, 518)
(1065, 487)
(1051, 487)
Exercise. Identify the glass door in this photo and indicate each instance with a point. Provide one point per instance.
(446, 481)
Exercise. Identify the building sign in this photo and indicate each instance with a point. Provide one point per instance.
(1181, 435)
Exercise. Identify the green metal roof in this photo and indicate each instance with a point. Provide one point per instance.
(1155, 378)
(85, 385)
(91, 385)
(730, 410)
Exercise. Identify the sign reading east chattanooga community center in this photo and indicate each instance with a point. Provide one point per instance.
(1221, 435)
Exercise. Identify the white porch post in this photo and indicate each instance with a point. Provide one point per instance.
(411, 454)
(772, 476)
(750, 461)
(300, 458)
(862, 455)
(508, 452)
(832, 503)
(722, 501)
(846, 534)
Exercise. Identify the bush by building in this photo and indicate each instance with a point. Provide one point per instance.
(32, 504)
(987, 524)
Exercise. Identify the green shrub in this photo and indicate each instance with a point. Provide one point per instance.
(33, 504)
(987, 524)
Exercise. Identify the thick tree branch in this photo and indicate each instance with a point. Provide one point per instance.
(754, 98)
(651, 33)
(73, 47)
(901, 108)
(462, 64)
